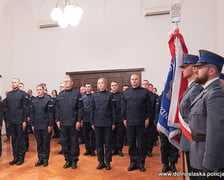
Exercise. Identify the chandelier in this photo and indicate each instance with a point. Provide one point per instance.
(67, 12)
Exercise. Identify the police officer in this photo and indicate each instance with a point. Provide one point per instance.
(118, 133)
(136, 112)
(69, 113)
(193, 89)
(103, 122)
(207, 117)
(151, 128)
(221, 77)
(41, 122)
(16, 104)
(88, 132)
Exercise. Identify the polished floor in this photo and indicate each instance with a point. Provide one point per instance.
(86, 166)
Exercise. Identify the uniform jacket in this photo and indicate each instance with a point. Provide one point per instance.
(41, 112)
(136, 106)
(17, 106)
(117, 97)
(69, 107)
(86, 98)
(184, 107)
(103, 109)
(207, 118)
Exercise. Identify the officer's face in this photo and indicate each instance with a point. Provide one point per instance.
(114, 87)
(21, 87)
(82, 90)
(15, 84)
(187, 71)
(40, 91)
(101, 85)
(135, 81)
(68, 83)
(145, 84)
(202, 75)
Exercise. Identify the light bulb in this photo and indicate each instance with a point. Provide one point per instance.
(76, 16)
(63, 21)
(56, 14)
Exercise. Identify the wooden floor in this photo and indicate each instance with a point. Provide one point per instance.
(86, 166)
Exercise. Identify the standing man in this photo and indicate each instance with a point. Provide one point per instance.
(69, 113)
(136, 111)
(88, 132)
(118, 133)
(193, 89)
(16, 104)
(207, 117)
(1, 117)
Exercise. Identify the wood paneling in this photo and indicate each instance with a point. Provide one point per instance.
(86, 166)
(122, 76)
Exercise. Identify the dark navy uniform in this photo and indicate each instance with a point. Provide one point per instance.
(69, 110)
(88, 132)
(55, 127)
(16, 104)
(136, 108)
(7, 128)
(151, 129)
(103, 117)
(41, 119)
(118, 133)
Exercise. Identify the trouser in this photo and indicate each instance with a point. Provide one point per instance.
(70, 143)
(136, 151)
(56, 130)
(43, 143)
(104, 135)
(0, 145)
(26, 136)
(169, 153)
(117, 137)
(7, 129)
(89, 137)
(150, 136)
(18, 141)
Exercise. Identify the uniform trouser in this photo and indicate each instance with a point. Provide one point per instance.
(56, 130)
(168, 151)
(18, 141)
(0, 144)
(70, 143)
(26, 136)
(117, 136)
(150, 136)
(43, 143)
(136, 151)
(7, 129)
(104, 135)
(89, 137)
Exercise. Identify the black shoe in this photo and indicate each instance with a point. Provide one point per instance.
(101, 165)
(38, 163)
(60, 152)
(149, 153)
(20, 162)
(114, 152)
(14, 161)
(142, 168)
(74, 165)
(108, 166)
(45, 163)
(93, 153)
(67, 165)
(165, 168)
(132, 167)
(173, 168)
(120, 153)
(87, 153)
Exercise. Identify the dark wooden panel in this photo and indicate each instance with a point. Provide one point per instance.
(122, 76)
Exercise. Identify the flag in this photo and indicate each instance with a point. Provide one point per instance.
(168, 122)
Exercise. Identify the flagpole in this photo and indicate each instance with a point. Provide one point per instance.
(175, 16)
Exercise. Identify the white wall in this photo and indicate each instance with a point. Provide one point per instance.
(113, 34)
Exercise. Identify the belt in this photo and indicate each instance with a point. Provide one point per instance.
(198, 137)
